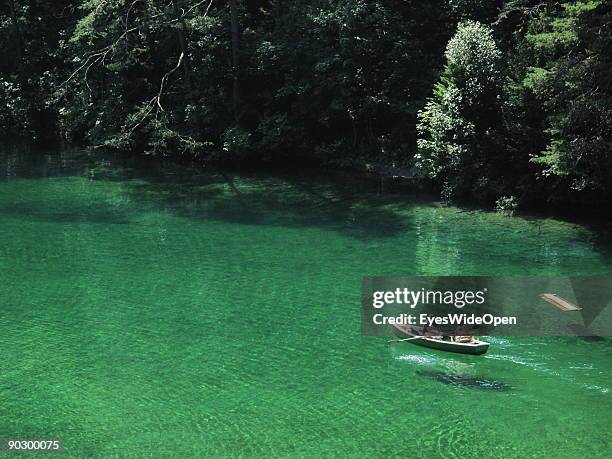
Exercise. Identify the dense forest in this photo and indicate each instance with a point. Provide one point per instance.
(507, 103)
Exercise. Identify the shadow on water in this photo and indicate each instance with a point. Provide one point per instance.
(470, 382)
(352, 206)
(21, 160)
(274, 201)
(584, 334)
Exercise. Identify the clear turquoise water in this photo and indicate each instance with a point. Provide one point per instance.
(157, 312)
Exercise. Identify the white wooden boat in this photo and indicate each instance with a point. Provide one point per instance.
(474, 346)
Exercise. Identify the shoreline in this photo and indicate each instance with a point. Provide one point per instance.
(382, 178)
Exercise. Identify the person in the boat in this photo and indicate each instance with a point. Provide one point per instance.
(458, 339)
(464, 339)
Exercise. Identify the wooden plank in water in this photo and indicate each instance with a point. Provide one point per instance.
(559, 302)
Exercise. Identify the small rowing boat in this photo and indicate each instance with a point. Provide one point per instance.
(443, 343)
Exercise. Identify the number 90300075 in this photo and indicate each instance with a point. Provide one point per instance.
(11, 444)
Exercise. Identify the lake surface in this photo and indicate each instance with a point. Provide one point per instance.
(161, 312)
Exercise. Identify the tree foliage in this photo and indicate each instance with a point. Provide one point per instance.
(492, 100)
(460, 143)
(573, 80)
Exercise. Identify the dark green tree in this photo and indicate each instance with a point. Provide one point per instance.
(30, 60)
(573, 80)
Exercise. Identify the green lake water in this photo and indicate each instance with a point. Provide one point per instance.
(154, 312)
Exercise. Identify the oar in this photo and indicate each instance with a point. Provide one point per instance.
(395, 341)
